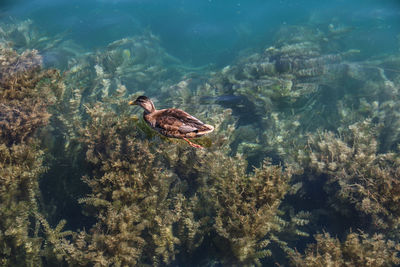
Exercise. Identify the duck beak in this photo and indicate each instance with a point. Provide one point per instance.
(132, 103)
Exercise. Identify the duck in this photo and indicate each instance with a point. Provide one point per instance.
(172, 122)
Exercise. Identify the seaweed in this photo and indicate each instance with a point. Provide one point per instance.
(21, 166)
(246, 210)
(153, 211)
(26, 92)
(130, 196)
(356, 174)
(358, 249)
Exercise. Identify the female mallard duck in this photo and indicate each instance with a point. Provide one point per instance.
(172, 122)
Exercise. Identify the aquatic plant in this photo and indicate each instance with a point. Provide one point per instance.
(237, 213)
(23, 83)
(356, 174)
(246, 209)
(288, 74)
(21, 166)
(55, 50)
(359, 249)
(147, 212)
(51, 249)
(136, 62)
(22, 35)
(282, 89)
(130, 195)
(132, 198)
(378, 98)
(26, 92)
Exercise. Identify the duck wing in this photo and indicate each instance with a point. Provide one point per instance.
(178, 120)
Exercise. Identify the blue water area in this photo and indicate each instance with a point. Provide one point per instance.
(212, 31)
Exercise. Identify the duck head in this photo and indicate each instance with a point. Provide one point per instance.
(145, 103)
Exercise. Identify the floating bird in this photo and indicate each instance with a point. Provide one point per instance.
(172, 122)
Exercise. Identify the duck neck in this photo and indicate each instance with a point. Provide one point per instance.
(148, 107)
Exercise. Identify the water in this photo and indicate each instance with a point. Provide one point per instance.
(206, 32)
(311, 87)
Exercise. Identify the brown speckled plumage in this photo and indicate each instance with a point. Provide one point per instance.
(172, 122)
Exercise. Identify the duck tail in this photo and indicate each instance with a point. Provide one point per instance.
(207, 129)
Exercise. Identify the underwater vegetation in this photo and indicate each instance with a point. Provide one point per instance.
(352, 168)
(27, 92)
(357, 250)
(302, 168)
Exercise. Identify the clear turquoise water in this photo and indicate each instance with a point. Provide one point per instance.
(203, 32)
